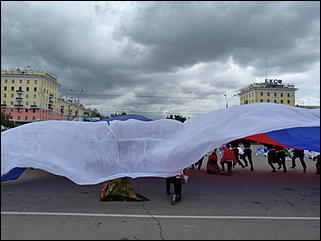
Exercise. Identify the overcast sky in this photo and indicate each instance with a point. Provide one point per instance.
(158, 58)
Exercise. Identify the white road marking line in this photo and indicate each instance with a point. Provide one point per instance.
(155, 216)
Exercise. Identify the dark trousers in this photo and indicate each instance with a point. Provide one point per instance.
(177, 186)
(281, 159)
(229, 165)
(248, 154)
(272, 159)
(198, 163)
(236, 152)
(301, 157)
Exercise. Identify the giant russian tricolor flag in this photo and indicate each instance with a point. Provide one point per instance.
(94, 152)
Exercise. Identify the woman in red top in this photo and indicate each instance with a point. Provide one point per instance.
(212, 166)
(228, 158)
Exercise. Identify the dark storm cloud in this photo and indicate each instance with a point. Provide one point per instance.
(193, 50)
(208, 31)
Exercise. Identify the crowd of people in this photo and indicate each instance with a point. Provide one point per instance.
(232, 154)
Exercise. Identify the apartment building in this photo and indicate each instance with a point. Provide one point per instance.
(29, 95)
(271, 91)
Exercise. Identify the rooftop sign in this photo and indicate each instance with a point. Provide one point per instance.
(273, 81)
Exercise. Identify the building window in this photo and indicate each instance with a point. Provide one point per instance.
(34, 110)
(281, 94)
(20, 81)
(12, 88)
(20, 88)
(5, 88)
(261, 100)
(18, 117)
(275, 101)
(35, 88)
(35, 81)
(27, 88)
(19, 110)
(261, 93)
(26, 117)
(281, 101)
(268, 93)
(28, 81)
(275, 94)
(12, 81)
(6, 81)
(12, 95)
(11, 102)
(288, 101)
(268, 100)
(5, 95)
(288, 94)
(11, 110)
(27, 103)
(34, 103)
(4, 102)
(33, 118)
(27, 96)
(35, 96)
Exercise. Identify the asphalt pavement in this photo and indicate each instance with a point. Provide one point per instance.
(248, 205)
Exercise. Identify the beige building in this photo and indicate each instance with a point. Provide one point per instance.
(29, 95)
(271, 91)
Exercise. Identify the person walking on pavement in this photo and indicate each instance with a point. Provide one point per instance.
(280, 155)
(271, 155)
(247, 153)
(299, 153)
(177, 180)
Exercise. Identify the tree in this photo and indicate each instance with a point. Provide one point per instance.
(177, 117)
(118, 114)
(5, 120)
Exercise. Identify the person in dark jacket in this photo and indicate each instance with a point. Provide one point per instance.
(177, 180)
(271, 156)
(280, 155)
(317, 164)
(299, 153)
(247, 153)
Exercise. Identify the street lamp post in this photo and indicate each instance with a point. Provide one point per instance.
(228, 100)
(78, 103)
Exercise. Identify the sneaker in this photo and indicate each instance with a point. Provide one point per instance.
(273, 170)
(252, 169)
(279, 167)
(292, 167)
(173, 199)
